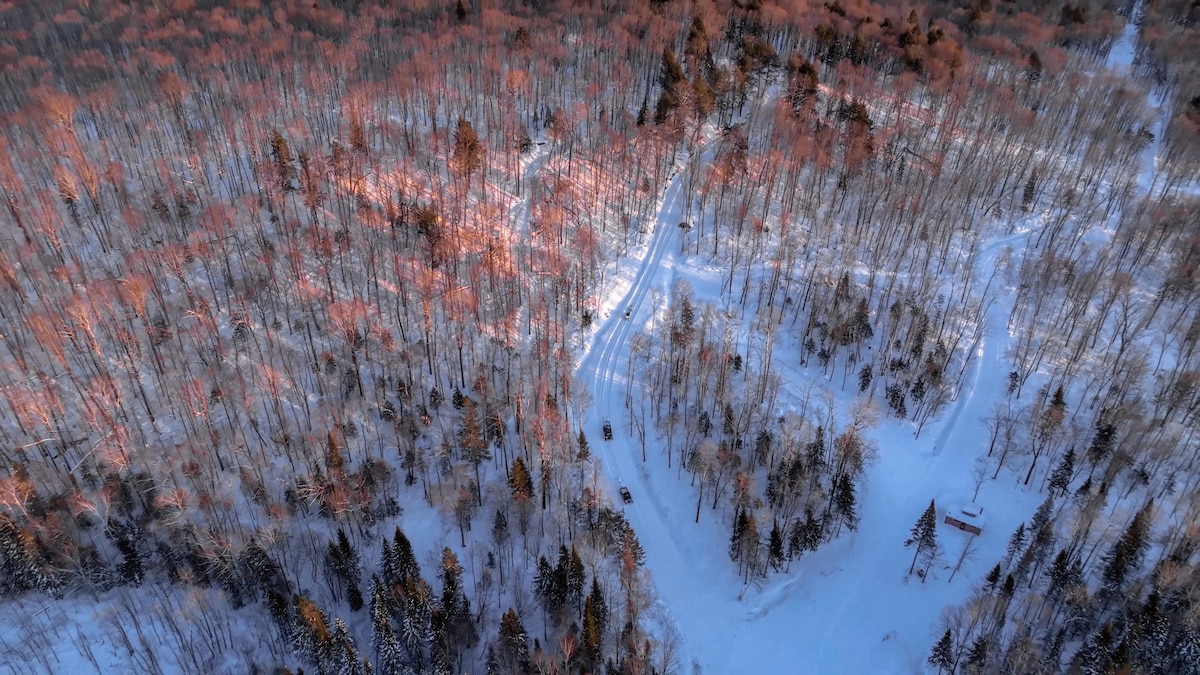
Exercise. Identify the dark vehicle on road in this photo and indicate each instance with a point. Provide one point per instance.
(607, 430)
(625, 496)
(628, 312)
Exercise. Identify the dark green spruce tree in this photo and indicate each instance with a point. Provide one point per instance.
(942, 655)
(924, 534)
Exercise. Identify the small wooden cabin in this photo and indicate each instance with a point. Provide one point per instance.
(968, 518)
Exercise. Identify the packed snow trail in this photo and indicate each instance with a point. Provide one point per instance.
(620, 456)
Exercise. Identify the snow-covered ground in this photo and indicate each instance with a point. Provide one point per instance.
(851, 606)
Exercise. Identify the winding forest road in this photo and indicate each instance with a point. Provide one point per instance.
(678, 589)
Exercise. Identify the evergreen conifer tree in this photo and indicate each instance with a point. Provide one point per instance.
(584, 451)
(1016, 544)
(474, 444)
(387, 566)
(310, 636)
(865, 376)
(795, 547)
(845, 502)
(1126, 555)
(924, 534)
(762, 445)
(697, 43)
(561, 570)
(459, 625)
(130, 571)
(519, 480)
(342, 564)
(595, 622)
(1152, 629)
(748, 548)
(513, 653)
(1064, 574)
(895, 398)
(1060, 478)
(499, 529)
(814, 534)
(491, 664)
(1058, 402)
(440, 657)
(1083, 494)
(467, 156)
(1095, 655)
(416, 619)
(631, 544)
(942, 655)
(775, 547)
(1052, 659)
(281, 612)
(349, 554)
(547, 589)
(977, 653)
(575, 579)
(739, 531)
(814, 450)
(670, 79)
(259, 570)
(992, 580)
(281, 155)
(1102, 443)
(404, 561)
(1038, 551)
(1009, 588)
(1120, 655)
(344, 659)
(23, 567)
(389, 653)
(593, 634)
(806, 535)
(334, 461)
(1030, 192)
(600, 604)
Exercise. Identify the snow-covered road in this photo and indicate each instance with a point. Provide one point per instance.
(603, 365)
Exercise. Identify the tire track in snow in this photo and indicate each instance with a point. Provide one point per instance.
(985, 260)
(676, 590)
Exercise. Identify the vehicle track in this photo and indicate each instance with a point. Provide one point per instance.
(603, 362)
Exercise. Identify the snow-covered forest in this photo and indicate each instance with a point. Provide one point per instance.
(626, 337)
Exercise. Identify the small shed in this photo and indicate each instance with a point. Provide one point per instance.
(968, 518)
